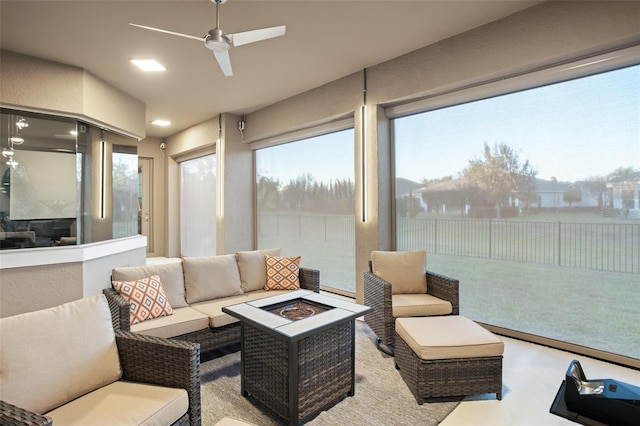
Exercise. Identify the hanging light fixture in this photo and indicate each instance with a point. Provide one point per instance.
(8, 152)
(21, 123)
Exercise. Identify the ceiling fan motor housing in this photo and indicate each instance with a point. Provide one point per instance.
(217, 41)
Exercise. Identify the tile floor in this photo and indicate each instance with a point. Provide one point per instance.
(531, 377)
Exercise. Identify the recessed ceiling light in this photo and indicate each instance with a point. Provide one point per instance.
(148, 65)
(161, 122)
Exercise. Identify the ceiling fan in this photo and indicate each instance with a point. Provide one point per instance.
(220, 42)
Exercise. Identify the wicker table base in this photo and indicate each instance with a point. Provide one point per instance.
(297, 380)
(296, 369)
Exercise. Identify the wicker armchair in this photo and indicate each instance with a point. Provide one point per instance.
(107, 360)
(378, 294)
(175, 364)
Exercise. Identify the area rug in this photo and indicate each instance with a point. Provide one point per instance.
(381, 396)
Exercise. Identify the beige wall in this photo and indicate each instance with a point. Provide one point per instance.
(38, 287)
(39, 278)
(36, 84)
(150, 148)
(235, 227)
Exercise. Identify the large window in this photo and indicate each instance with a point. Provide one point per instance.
(198, 206)
(531, 199)
(305, 204)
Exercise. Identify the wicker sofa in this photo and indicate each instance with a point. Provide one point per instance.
(198, 289)
(439, 297)
(66, 365)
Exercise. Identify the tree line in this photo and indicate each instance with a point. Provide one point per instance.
(494, 180)
(304, 193)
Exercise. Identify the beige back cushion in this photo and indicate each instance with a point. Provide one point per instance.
(405, 270)
(212, 277)
(52, 356)
(253, 269)
(170, 274)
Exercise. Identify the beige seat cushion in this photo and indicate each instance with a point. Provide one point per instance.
(52, 356)
(211, 277)
(252, 268)
(405, 270)
(183, 321)
(170, 274)
(448, 337)
(418, 305)
(213, 309)
(124, 403)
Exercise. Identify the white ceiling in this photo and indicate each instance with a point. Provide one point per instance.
(325, 40)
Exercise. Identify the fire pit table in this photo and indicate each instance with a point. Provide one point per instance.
(297, 351)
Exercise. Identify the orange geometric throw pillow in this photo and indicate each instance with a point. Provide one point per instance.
(147, 298)
(282, 273)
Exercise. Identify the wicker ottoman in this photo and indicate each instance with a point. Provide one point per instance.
(448, 356)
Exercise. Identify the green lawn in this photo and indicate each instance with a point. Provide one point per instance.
(597, 309)
(590, 308)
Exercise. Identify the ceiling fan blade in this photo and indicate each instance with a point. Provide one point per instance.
(246, 37)
(168, 32)
(224, 61)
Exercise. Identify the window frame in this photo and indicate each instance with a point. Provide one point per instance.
(332, 126)
(534, 78)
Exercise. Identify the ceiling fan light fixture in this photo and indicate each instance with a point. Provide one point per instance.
(148, 65)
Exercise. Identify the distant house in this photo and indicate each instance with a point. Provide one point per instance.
(622, 192)
(625, 193)
(444, 196)
(551, 194)
(406, 188)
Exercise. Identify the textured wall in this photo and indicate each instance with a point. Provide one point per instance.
(46, 86)
(542, 35)
(237, 224)
(150, 148)
(38, 287)
(32, 279)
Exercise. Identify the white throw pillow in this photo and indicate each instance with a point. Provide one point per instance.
(211, 277)
(405, 270)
